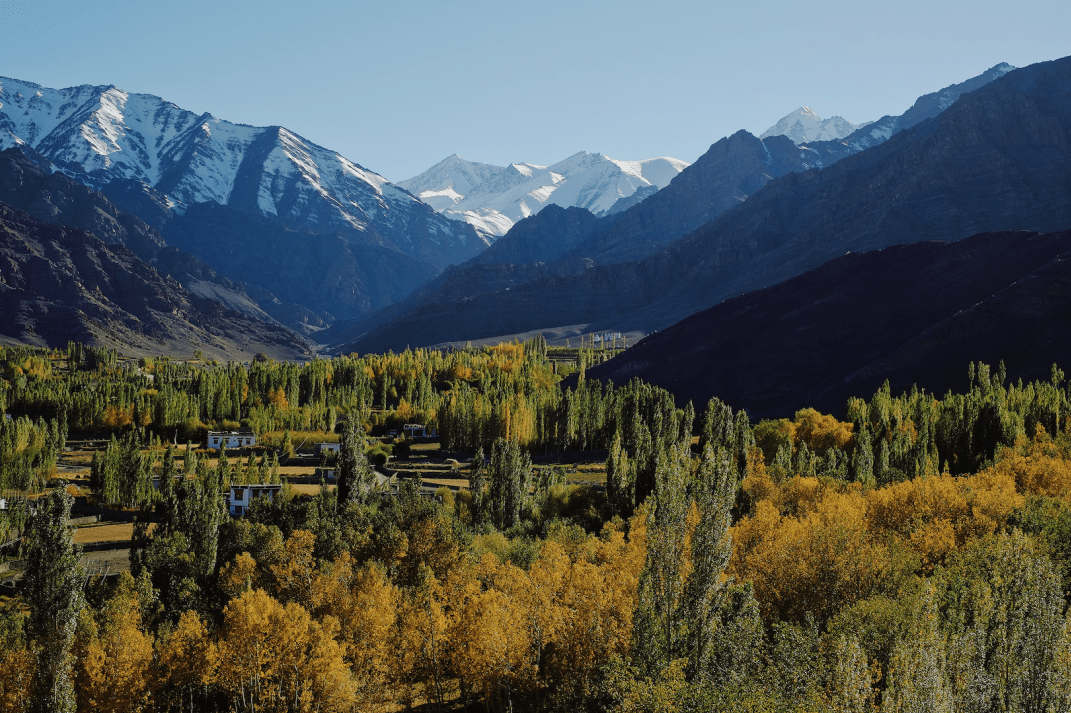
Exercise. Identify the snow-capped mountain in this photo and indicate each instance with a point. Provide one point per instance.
(493, 198)
(804, 125)
(925, 107)
(822, 153)
(101, 134)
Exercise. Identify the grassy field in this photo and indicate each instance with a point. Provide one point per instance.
(308, 489)
(106, 561)
(106, 532)
(457, 482)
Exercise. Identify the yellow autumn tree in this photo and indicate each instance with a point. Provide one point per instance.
(818, 562)
(271, 657)
(365, 605)
(115, 656)
(597, 600)
(17, 663)
(422, 639)
(186, 661)
(239, 575)
(1037, 467)
(294, 575)
(492, 645)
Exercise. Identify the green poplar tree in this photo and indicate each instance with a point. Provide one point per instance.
(715, 493)
(659, 631)
(510, 473)
(52, 586)
(477, 485)
(355, 478)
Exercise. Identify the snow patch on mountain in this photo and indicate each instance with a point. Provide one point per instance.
(804, 125)
(493, 198)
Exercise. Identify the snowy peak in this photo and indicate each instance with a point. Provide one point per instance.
(493, 198)
(99, 134)
(805, 125)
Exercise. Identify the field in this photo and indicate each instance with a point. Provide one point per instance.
(106, 532)
(307, 489)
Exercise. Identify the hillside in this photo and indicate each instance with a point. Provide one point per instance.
(910, 313)
(59, 284)
(27, 183)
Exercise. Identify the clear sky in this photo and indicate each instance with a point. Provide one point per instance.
(398, 86)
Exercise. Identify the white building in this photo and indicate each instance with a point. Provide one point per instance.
(242, 496)
(232, 439)
(327, 448)
(418, 430)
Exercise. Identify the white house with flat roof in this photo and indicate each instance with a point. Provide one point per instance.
(418, 430)
(241, 497)
(232, 439)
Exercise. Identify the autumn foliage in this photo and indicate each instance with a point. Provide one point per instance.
(912, 556)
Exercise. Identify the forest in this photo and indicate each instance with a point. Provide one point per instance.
(912, 553)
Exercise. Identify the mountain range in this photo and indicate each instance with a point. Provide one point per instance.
(494, 198)
(753, 212)
(129, 222)
(164, 163)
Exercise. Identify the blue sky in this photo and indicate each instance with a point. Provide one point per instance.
(397, 87)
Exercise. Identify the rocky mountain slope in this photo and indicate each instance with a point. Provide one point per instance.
(27, 184)
(910, 313)
(994, 160)
(59, 283)
(826, 152)
(803, 126)
(494, 198)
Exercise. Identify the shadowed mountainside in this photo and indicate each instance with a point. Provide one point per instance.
(911, 313)
(28, 184)
(59, 284)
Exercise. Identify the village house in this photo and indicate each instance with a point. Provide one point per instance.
(232, 439)
(418, 430)
(241, 497)
(322, 448)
